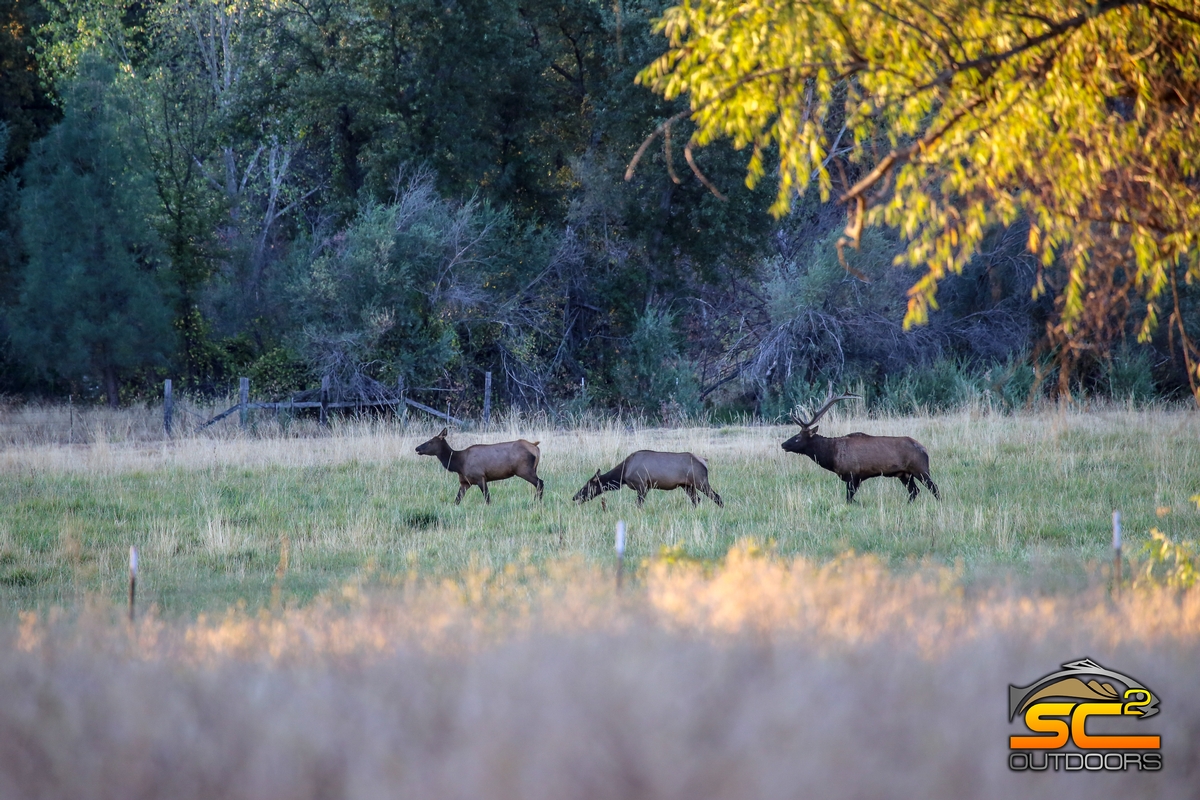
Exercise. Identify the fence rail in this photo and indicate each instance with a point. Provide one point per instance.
(244, 406)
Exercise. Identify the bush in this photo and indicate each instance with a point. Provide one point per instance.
(940, 386)
(279, 372)
(1172, 564)
(1129, 375)
(654, 377)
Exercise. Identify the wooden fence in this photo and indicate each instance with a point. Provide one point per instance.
(243, 407)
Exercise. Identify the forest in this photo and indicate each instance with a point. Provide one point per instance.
(419, 192)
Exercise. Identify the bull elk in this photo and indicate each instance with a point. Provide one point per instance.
(859, 456)
(480, 463)
(649, 469)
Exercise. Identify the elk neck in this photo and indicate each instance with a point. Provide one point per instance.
(822, 450)
(611, 481)
(446, 454)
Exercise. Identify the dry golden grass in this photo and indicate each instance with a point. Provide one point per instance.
(761, 676)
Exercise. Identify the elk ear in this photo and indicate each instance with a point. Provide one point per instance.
(597, 475)
(442, 435)
(813, 430)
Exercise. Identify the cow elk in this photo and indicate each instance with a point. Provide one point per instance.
(859, 456)
(649, 469)
(481, 463)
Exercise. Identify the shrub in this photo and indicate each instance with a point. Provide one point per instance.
(1129, 375)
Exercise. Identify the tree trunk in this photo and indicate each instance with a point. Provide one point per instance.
(110, 385)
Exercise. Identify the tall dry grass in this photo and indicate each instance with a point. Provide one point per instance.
(757, 677)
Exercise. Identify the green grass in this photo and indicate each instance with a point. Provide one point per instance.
(209, 516)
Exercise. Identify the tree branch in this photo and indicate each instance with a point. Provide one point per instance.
(850, 68)
(687, 154)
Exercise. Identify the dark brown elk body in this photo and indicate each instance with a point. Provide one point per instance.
(481, 463)
(859, 456)
(649, 469)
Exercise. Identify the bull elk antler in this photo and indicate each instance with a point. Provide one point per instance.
(828, 404)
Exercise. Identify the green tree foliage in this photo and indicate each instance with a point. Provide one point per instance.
(359, 289)
(25, 106)
(261, 143)
(421, 288)
(960, 115)
(8, 218)
(91, 308)
(651, 375)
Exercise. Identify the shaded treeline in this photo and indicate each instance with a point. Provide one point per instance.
(424, 192)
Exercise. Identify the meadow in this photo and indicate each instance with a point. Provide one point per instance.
(319, 620)
(288, 513)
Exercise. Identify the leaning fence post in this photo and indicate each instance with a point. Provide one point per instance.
(325, 400)
(620, 552)
(167, 406)
(133, 567)
(244, 400)
(401, 410)
(487, 398)
(1117, 553)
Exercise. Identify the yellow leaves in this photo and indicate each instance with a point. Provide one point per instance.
(921, 298)
(1172, 564)
(1072, 133)
(1146, 329)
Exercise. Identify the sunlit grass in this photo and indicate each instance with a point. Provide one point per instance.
(756, 676)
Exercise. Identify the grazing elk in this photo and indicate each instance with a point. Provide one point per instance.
(480, 463)
(859, 456)
(648, 469)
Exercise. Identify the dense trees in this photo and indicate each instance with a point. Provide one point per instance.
(401, 190)
(90, 306)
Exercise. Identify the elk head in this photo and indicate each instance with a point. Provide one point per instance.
(802, 441)
(435, 445)
(592, 489)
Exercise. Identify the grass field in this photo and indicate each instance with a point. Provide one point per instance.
(406, 647)
(1028, 495)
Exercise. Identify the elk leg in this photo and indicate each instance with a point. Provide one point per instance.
(712, 495)
(487, 498)
(910, 483)
(641, 497)
(535, 480)
(691, 493)
(852, 484)
(930, 485)
(462, 489)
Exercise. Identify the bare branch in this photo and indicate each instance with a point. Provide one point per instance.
(687, 154)
(667, 154)
(848, 69)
